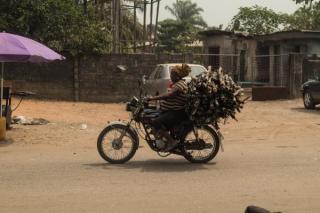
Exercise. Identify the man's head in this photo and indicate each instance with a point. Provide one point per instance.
(180, 71)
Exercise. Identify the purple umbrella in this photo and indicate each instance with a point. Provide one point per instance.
(15, 48)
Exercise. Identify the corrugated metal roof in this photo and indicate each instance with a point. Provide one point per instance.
(273, 36)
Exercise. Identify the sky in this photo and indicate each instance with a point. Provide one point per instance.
(218, 12)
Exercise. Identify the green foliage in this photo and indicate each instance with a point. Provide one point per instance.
(307, 18)
(180, 34)
(258, 20)
(185, 10)
(305, 2)
(60, 24)
(175, 35)
(261, 20)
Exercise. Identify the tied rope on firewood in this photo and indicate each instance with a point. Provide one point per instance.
(213, 96)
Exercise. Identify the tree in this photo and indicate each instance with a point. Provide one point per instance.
(305, 2)
(258, 20)
(307, 18)
(177, 35)
(73, 26)
(188, 12)
(60, 24)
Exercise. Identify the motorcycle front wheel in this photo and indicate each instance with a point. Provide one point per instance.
(205, 148)
(117, 144)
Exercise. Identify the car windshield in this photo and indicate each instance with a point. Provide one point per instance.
(195, 70)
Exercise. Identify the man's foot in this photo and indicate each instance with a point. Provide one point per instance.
(171, 146)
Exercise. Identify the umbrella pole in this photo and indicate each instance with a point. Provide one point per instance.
(2, 70)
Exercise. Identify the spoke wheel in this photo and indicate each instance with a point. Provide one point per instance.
(208, 145)
(117, 144)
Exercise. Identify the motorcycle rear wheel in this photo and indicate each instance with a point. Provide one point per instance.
(210, 137)
(114, 150)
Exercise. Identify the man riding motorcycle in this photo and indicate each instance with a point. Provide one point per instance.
(173, 106)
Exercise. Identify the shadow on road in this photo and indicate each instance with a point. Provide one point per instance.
(6, 142)
(161, 165)
(309, 111)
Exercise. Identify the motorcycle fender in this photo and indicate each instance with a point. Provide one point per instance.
(131, 129)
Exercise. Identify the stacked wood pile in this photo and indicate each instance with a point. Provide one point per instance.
(213, 96)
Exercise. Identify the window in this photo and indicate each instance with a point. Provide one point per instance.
(159, 73)
(154, 73)
(196, 70)
(297, 49)
(214, 58)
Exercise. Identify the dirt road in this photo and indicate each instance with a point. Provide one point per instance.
(271, 159)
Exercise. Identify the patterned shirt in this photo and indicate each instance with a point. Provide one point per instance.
(178, 101)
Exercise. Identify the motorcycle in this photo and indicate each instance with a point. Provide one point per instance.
(119, 141)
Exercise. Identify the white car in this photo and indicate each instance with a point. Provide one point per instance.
(159, 81)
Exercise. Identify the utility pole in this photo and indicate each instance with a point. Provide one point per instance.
(156, 25)
(119, 26)
(115, 25)
(85, 6)
(135, 26)
(144, 24)
(151, 21)
(113, 16)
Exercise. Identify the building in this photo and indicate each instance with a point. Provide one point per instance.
(260, 58)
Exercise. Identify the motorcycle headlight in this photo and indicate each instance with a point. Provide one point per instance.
(134, 101)
(128, 108)
(132, 105)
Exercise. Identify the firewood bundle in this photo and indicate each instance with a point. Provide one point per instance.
(213, 96)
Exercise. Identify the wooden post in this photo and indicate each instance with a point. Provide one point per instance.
(156, 25)
(76, 81)
(151, 21)
(135, 26)
(115, 25)
(85, 5)
(113, 17)
(271, 66)
(119, 26)
(144, 24)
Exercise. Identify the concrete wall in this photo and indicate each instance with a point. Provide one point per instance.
(307, 46)
(88, 78)
(231, 45)
(249, 46)
(228, 58)
(100, 80)
(49, 80)
(313, 47)
(222, 41)
(97, 79)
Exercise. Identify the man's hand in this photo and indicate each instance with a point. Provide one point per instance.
(150, 98)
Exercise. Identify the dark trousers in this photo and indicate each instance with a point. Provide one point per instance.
(169, 119)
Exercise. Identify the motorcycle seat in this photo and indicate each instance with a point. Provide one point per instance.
(152, 111)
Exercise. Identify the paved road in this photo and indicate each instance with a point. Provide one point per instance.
(274, 166)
